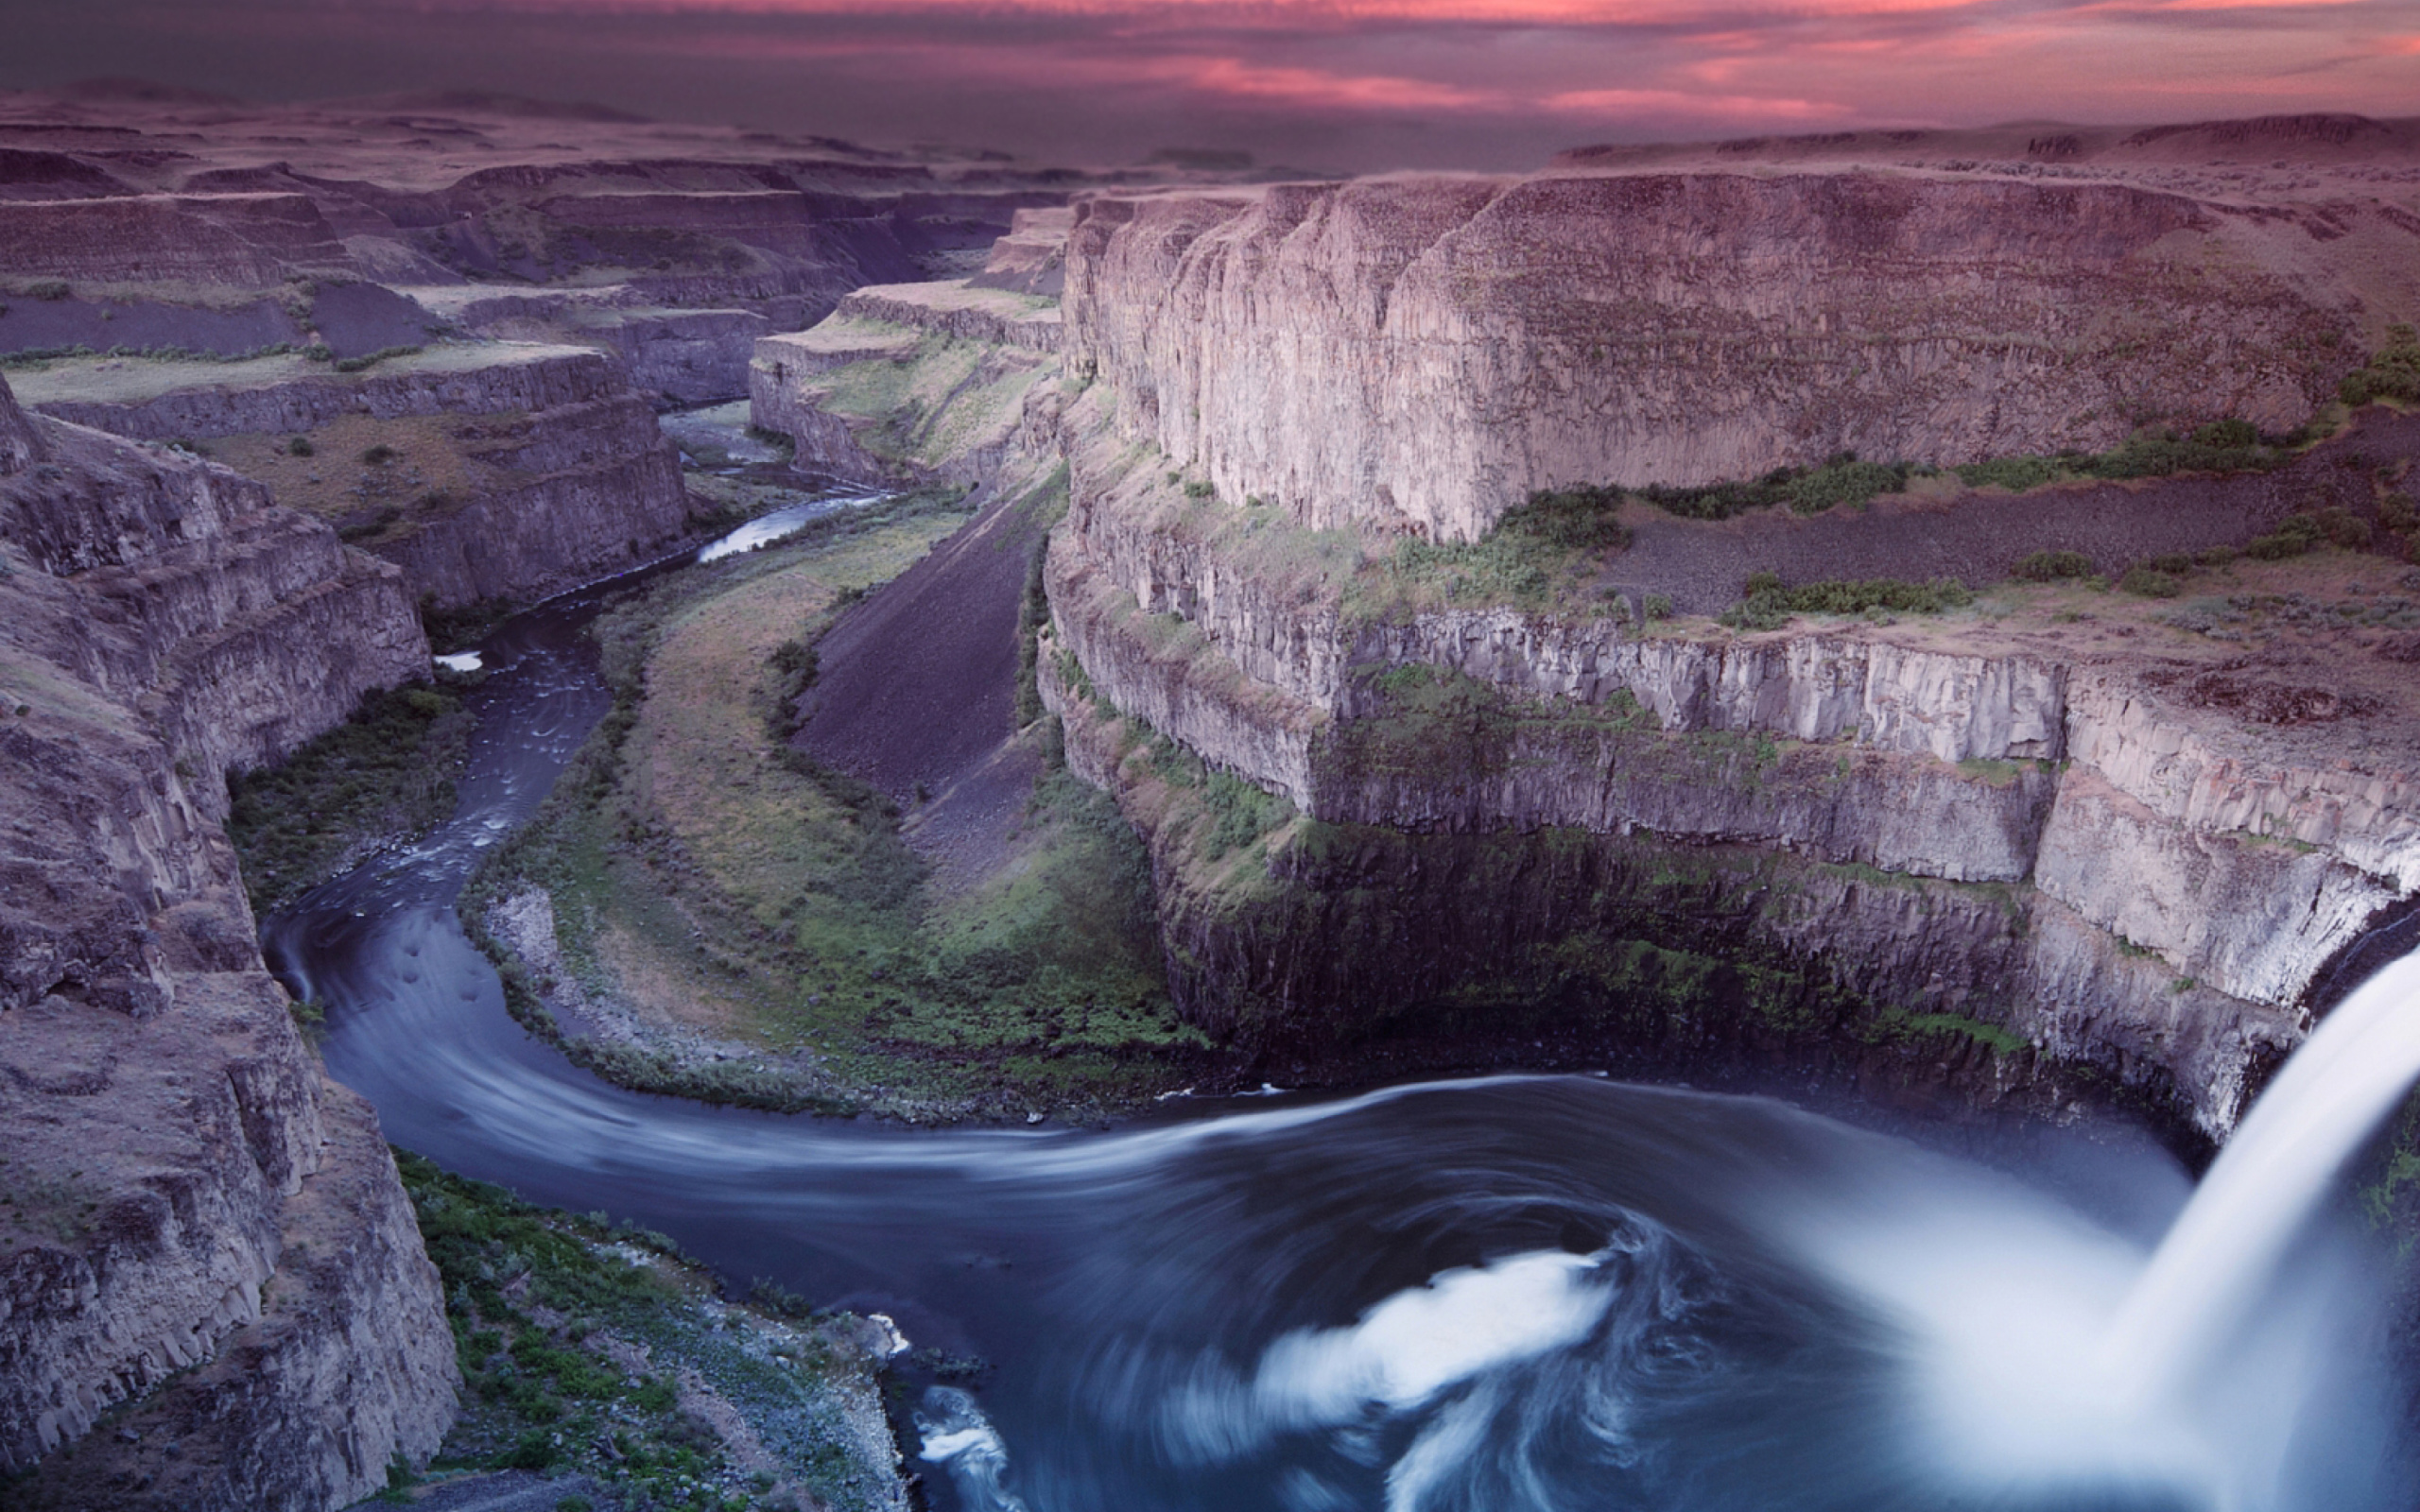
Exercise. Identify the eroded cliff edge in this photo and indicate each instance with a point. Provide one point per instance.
(1418, 353)
(487, 471)
(197, 1222)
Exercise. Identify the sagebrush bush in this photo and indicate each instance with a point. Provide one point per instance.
(2392, 373)
(1768, 602)
(2051, 566)
(2149, 582)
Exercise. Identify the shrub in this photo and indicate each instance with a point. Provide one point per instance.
(301, 446)
(2228, 435)
(1843, 479)
(48, 289)
(2015, 473)
(1658, 606)
(319, 352)
(2342, 527)
(379, 455)
(2149, 583)
(2049, 566)
(2295, 535)
(2175, 562)
(1768, 602)
(370, 359)
(2216, 556)
(2393, 373)
(1582, 519)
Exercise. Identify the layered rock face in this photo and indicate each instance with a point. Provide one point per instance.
(1032, 257)
(1419, 354)
(566, 474)
(909, 383)
(2076, 848)
(195, 1220)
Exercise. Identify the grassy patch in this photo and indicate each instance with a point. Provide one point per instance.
(1536, 549)
(387, 774)
(583, 1346)
(702, 868)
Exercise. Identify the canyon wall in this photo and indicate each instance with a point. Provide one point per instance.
(1420, 353)
(2076, 849)
(200, 1236)
(567, 476)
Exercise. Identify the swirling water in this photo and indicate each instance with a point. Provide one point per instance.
(1546, 1292)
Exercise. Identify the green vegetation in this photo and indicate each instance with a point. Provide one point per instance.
(1556, 537)
(1842, 479)
(552, 1316)
(40, 358)
(2053, 566)
(702, 867)
(1769, 603)
(2148, 582)
(1239, 813)
(2299, 534)
(2391, 373)
(385, 774)
(452, 630)
(48, 289)
(370, 359)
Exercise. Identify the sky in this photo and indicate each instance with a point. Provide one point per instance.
(1322, 84)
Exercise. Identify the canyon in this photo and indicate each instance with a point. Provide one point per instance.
(2047, 853)
(1415, 793)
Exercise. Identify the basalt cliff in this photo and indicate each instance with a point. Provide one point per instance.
(1413, 779)
(487, 471)
(192, 1219)
(1418, 353)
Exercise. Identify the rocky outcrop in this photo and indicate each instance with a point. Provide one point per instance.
(909, 383)
(1032, 257)
(1419, 354)
(197, 1224)
(569, 476)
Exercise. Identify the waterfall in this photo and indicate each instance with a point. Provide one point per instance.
(2274, 1175)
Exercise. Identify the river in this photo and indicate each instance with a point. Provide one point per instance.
(1525, 1291)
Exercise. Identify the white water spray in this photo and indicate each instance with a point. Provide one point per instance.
(2267, 1186)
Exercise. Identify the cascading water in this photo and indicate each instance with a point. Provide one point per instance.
(1492, 1296)
(2282, 1166)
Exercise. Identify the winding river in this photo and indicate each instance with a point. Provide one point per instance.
(1549, 1292)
